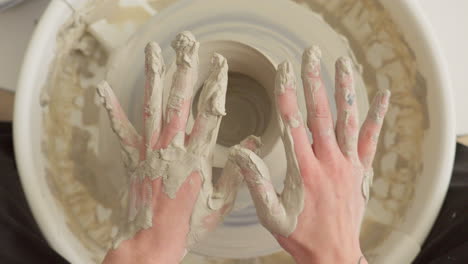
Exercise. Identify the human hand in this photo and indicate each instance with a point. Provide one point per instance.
(172, 202)
(317, 217)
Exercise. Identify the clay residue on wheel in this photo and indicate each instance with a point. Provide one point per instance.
(388, 63)
(85, 188)
(91, 192)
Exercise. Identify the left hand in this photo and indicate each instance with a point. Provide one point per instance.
(172, 200)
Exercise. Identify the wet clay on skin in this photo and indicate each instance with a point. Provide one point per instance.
(177, 161)
(278, 214)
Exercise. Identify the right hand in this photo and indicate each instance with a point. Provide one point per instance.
(318, 216)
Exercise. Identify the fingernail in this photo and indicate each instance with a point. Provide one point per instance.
(183, 39)
(248, 161)
(385, 97)
(186, 48)
(213, 96)
(154, 60)
(252, 143)
(381, 104)
(218, 62)
(239, 155)
(311, 61)
(344, 65)
(285, 78)
(104, 94)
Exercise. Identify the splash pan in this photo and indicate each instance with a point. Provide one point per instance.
(69, 161)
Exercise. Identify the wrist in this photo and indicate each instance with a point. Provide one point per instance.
(137, 250)
(328, 258)
(158, 256)
(329, 255)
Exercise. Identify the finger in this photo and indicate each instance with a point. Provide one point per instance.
(370, 131)
(130, 141)
(252, 143)
(221, 200)
(152, 116)
(319, 118)
(184, 79)
(292, 197)
(345, 97)
(211, 108)
(290, 115)
(270, 211)
(225, 189)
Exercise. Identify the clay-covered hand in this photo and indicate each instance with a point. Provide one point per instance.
(172, 202)
(317, 217)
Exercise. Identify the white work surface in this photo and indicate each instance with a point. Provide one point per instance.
(448, 18)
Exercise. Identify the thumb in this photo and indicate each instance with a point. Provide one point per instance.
(222, 197)
(225, 189)
(270, 210)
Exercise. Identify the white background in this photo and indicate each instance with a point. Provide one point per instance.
(448, 18)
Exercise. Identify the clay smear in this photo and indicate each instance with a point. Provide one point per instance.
(186, 48)
(176, 162)
(311, 77)
(376, 115)
(276, 213)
